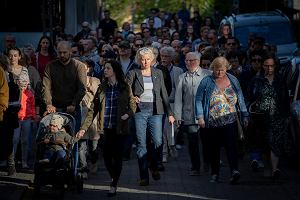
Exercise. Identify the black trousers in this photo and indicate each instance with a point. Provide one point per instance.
(113, 145)
(193, 145)
(227, 137)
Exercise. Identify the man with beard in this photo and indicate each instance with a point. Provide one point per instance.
(64, 82)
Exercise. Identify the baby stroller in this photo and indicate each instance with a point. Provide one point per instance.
(57, 176)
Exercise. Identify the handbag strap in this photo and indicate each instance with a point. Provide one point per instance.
(297, 86)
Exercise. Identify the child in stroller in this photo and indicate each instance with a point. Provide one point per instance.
(55, 149)
(55, 140)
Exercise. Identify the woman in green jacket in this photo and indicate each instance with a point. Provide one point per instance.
(114, 101)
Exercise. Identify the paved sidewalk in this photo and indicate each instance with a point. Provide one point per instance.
(175, 184)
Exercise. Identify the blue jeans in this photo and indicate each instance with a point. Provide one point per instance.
(22, 133)
(153, 123)
(57, 158)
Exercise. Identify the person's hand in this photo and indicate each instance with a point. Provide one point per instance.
(59, 141)
(245, 123)
(46, 141)
(178, 122)
(137, 99)
(71, 109)
(201, 122)
(37, 118)
(80, 134)
(51, 109)
(171, 119)
(124, 117)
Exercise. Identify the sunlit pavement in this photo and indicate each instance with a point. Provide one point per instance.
(175, 184)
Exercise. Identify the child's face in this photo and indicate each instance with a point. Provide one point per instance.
(23, 84)
(53, 128)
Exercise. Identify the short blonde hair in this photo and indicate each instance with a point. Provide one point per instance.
(219, 62)
(142, 52)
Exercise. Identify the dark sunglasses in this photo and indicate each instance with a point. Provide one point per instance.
(256, 60)
(233, 43)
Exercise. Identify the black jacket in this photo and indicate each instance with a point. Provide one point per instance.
(135, 80)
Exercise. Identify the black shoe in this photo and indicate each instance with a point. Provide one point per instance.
(214, 178)
(254, 165)
(160, 167)
(144, 182)
(156, 175)
(112, 192)
(235, 177)
(276, 174)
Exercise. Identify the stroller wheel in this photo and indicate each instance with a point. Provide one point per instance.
(36, 192)
(36, 187)
(62, 193)
(79, 184)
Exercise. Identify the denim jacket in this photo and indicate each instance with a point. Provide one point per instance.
(205, 91)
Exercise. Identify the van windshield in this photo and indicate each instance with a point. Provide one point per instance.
(275, 33)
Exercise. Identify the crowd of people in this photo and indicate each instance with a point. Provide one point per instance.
(178, 75)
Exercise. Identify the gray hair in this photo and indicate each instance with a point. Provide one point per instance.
(142, 52)
(195, 54)
(168, 50)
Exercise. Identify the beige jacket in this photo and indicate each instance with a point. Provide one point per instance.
(93, 133)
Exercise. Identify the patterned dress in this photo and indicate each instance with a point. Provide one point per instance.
(277, 129)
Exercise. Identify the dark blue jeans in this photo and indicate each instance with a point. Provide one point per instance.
(57, 158)
(227, 137)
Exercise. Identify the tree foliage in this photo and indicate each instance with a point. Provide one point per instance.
(138, 10)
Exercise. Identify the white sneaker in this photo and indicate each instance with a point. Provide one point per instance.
(24, 165)
(94, 168)
(46, 160)
(165, 159)
(178, 146)
(173, 152)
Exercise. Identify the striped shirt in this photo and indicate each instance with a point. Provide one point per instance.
(111, 105)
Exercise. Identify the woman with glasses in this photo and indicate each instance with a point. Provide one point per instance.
(269, 110)
(151, 96)
(253, 69)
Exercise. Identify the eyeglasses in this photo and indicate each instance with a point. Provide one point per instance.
(191, 60)
(51, 125)
(231, 43)
(256, 60)
(269, 66)
(205, 65)
(138, 45)
(146, 31)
